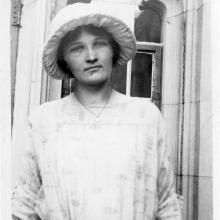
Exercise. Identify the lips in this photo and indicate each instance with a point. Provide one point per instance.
(92, 67)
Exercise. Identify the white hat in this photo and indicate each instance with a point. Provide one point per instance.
(78, 14)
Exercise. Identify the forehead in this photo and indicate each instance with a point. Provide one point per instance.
(86, 31)
(85, 36)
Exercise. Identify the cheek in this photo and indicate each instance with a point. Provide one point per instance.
(108, 59)
(73, 64)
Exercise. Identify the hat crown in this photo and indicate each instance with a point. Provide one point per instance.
(71, 12)
(79, 9)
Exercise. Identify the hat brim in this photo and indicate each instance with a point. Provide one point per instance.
(121, 33)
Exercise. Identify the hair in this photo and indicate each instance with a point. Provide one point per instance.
(75, 34)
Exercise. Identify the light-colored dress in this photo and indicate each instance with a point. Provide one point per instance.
(79, 168)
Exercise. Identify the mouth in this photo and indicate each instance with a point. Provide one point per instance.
(93, 67)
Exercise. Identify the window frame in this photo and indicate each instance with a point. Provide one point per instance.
(156, 49)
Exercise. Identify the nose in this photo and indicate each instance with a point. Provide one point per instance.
(91, 56)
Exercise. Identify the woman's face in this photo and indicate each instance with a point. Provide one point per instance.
(89, 58)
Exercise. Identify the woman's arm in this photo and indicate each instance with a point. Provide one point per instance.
(29, 182)
(168, 207)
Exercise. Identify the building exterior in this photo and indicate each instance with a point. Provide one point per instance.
(172, 67)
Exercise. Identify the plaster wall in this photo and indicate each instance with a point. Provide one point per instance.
(197, 135)
(23, 79)
(5, 111)
(215, 119)
(205, 197)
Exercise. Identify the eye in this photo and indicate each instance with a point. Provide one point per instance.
(76, 49)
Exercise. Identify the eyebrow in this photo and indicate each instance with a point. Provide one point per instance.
(73, 43)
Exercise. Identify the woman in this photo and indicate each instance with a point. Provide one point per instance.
(95, 154)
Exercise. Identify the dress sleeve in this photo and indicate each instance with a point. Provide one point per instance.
(29, 182)
(168, 207)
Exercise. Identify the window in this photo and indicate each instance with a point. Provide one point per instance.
(141, 77)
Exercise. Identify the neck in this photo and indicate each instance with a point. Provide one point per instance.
(93, 96)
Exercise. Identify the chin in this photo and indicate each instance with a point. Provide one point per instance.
(97, 82)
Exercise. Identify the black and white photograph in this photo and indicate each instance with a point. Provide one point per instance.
(110, 109)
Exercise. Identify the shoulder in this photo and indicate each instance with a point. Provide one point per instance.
(138, 108)
(48, 111)
(143, 106)
(143, 103)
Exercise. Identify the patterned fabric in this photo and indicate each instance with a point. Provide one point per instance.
(78, 168)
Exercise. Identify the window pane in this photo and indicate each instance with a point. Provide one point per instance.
(141, 75)
(67, 87)
(118, 78)
(148, 26)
